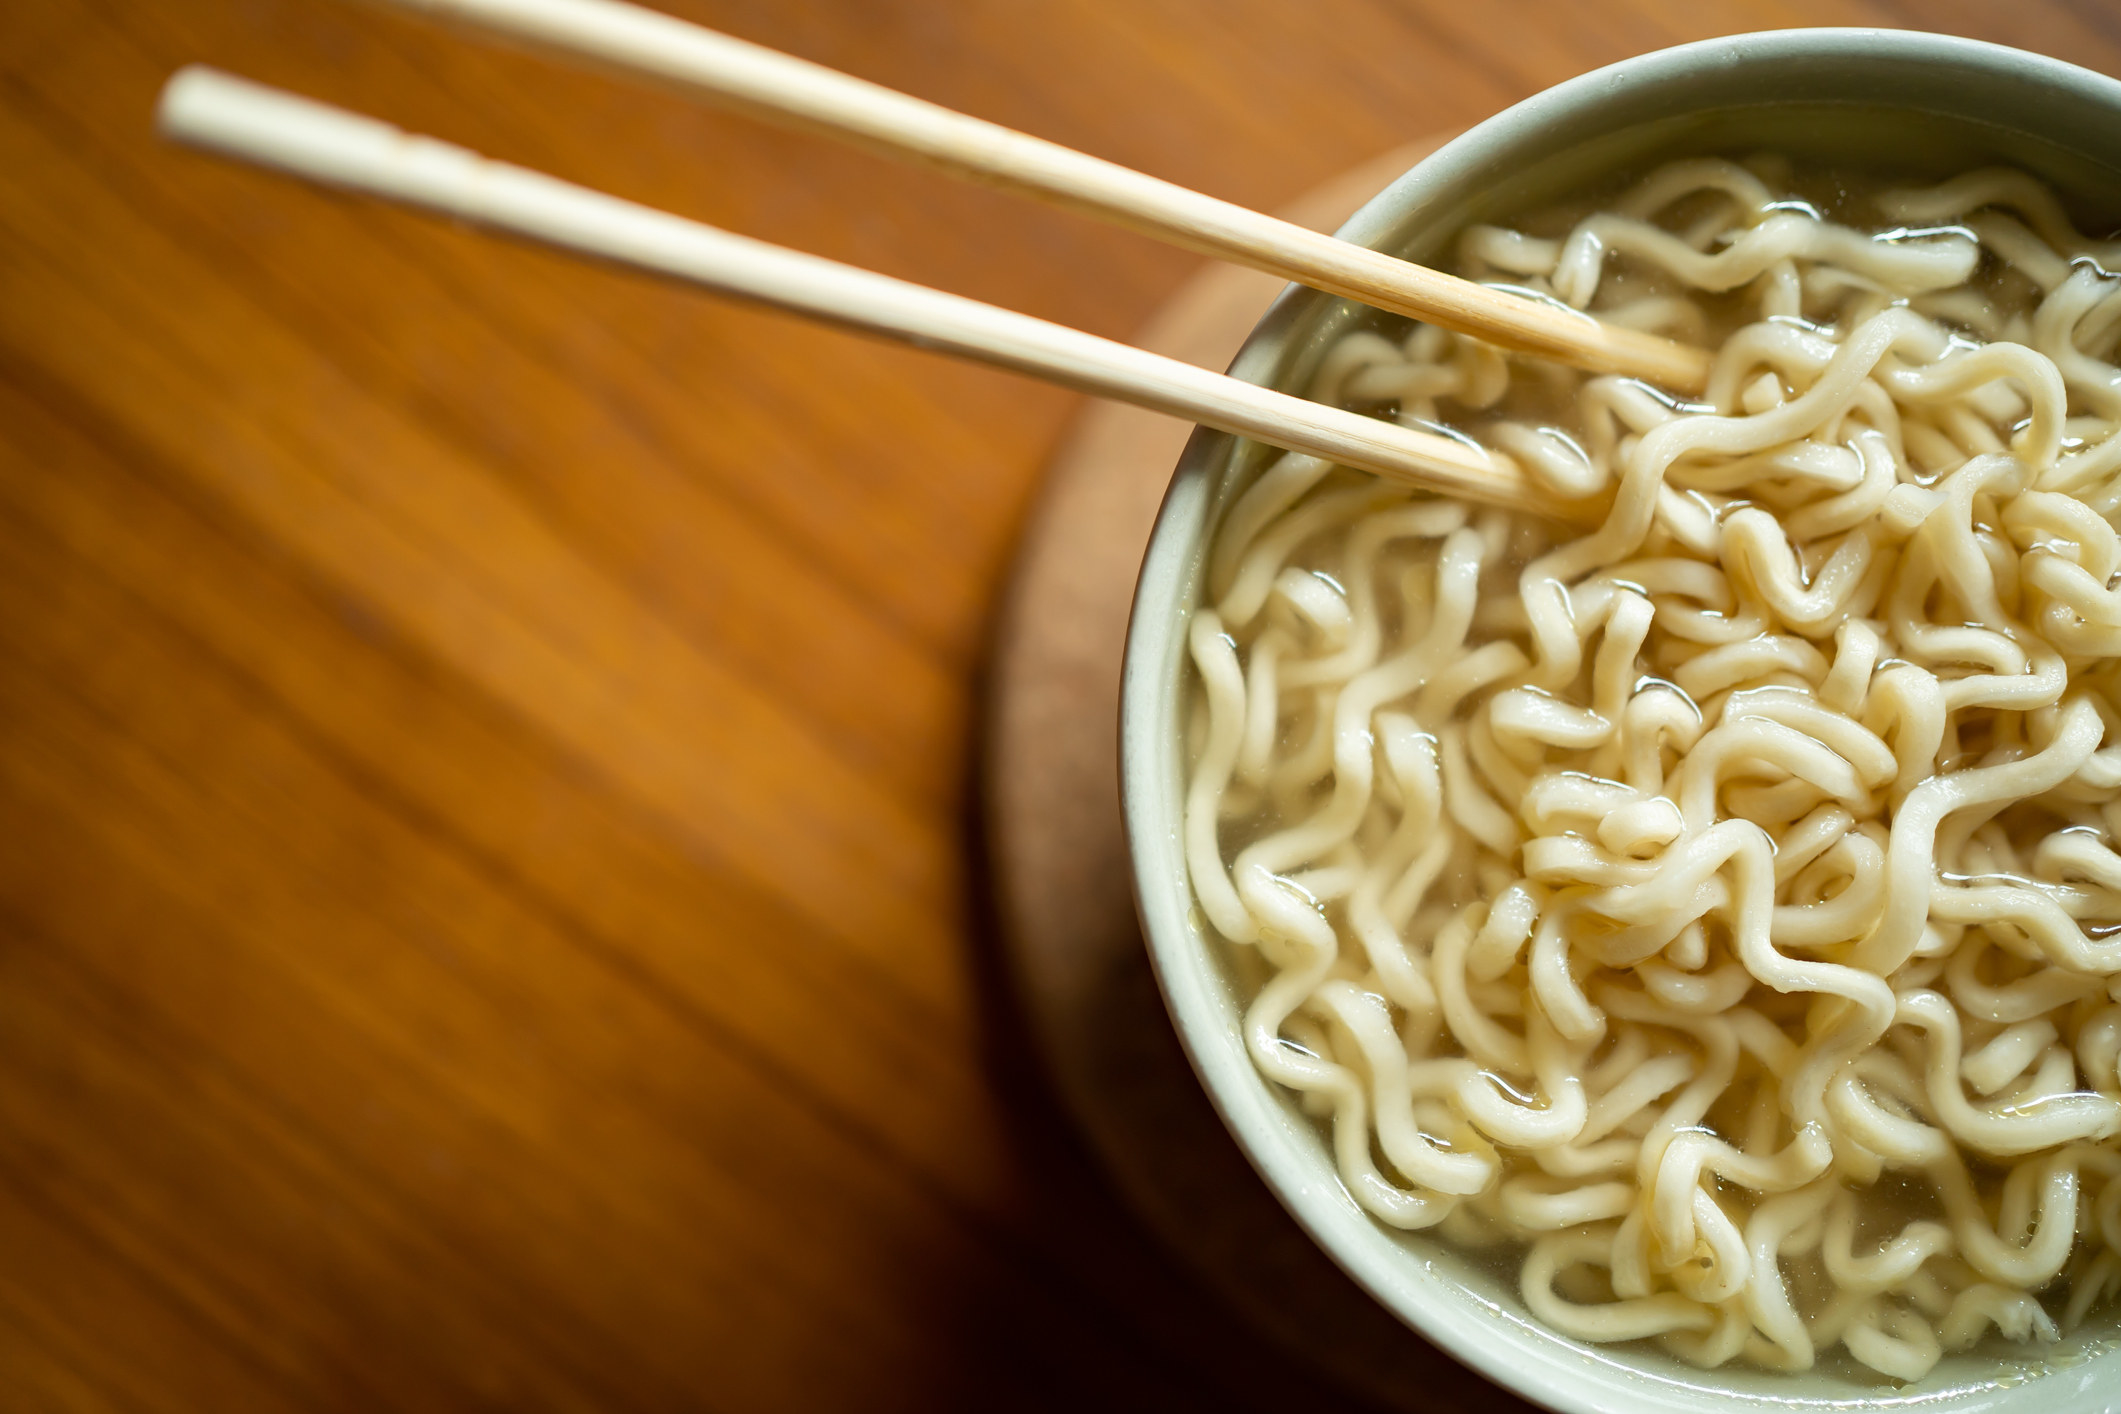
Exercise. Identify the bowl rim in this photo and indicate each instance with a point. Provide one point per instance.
(1499, 1343)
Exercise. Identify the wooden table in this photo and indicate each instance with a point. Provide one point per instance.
(491, 914)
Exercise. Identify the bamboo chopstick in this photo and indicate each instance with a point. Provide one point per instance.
(777, 86)
(213, 110)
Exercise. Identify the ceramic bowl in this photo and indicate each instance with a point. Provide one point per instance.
(1917, 105)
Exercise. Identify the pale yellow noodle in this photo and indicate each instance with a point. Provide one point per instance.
(1676, 899)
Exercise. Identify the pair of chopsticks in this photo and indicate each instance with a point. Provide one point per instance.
(222, 113)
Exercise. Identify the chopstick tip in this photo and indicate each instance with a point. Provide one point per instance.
(180, 98)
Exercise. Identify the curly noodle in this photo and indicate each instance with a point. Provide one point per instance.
(1731, 916)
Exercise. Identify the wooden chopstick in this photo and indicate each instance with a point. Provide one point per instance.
(782, 88)
(213, 110)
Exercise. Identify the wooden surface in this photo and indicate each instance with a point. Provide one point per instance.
(490, 909)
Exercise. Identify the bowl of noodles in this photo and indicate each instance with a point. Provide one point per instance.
(1676, 952)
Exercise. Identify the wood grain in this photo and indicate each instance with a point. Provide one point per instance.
(489, 909)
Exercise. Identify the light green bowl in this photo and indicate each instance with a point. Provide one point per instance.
(1916, 104)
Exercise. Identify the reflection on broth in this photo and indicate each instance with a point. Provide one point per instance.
(1712, 915)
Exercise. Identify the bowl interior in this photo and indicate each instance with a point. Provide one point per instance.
(1918, 107)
